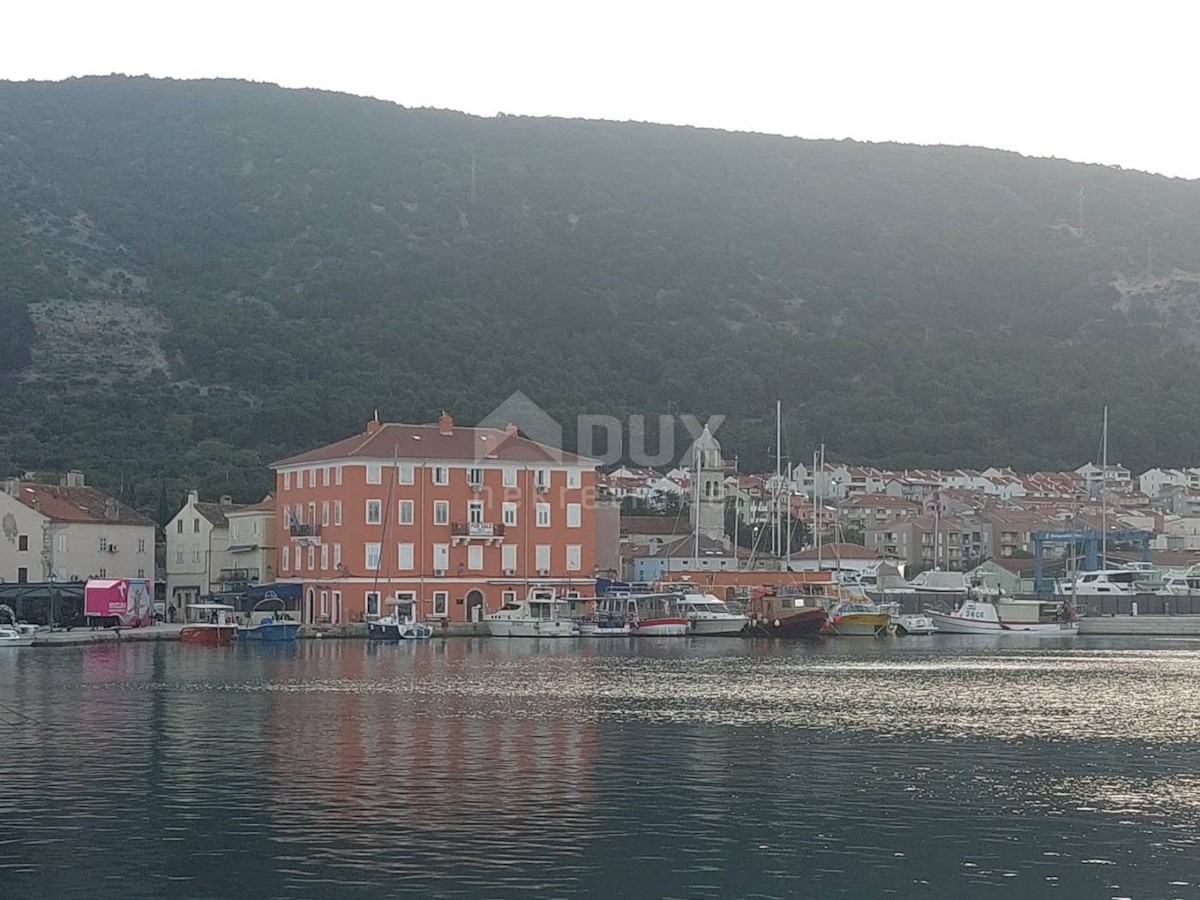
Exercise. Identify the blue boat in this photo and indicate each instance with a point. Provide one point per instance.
(272, 624)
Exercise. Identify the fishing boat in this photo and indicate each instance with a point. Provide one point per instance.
(215, 628)
(269, 621)
(604, 624)
(539, 615)
(655, 615)
(982, 616)
(708, 615)
(401, 625)
(856, 618)
(782, 616)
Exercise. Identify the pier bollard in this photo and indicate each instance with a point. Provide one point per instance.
(1133, 608)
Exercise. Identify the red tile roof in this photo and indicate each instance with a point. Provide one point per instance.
(78, 504)
(428, 442)
(266, 504)
(839, 551)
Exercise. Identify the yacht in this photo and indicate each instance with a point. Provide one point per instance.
(708, 615)
(540, 614)
(1123, 582)
(1181, 582)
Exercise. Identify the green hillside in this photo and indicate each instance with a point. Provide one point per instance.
(197, 277)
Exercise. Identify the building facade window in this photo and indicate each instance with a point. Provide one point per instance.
(374, 512)
(508, 558)
(287, 481)
(312, 478)
(62, 541)
(23, 542)
(372, 557)
(574, 557)
(405, 512)
(404, 473)
(337, 475)
(441, 600)
(324, 557)
(574, 478)
(441, 557)
(509, 511)
(312, 559)
(475, 512)
(337, 512)
(475, 476)
(441, 512)
(510, 477)
(374, 473)
(441, 475)
(543, 479)
(196, 554)
(179, 526)
(141, 545)
(325, 513)
(475, 557)
(404, 556)
(372, 604)
(141, 573)
(284, 555)
(337, 555)
(542, 558)
(574, 515)
(543, 515)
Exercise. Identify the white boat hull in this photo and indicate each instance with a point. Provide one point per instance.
(661, 628)
(947, 624)
(532, 628)
(908, 623)
(16, 642)
(718, 625)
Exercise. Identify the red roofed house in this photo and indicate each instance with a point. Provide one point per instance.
(70, 532)
(455, 520)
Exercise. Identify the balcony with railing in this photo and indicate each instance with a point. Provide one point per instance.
(305, 532)
(463, 532)
(238, 579)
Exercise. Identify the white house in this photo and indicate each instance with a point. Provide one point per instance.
(71, 532)
(197, 545)
(250, 554)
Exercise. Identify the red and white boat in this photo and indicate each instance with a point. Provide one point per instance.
(655, 615)
(213, 626)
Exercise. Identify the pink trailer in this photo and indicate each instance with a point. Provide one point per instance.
(130, 601)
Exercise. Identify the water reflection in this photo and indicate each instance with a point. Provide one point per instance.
(637, 768)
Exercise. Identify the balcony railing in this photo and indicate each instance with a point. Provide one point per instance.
(304, 529)
(477, 529)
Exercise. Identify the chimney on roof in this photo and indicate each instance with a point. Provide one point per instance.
(12, 487)
(373, 425)
(226, 501)
(74, 478)
(112, 510)
(445, 423)
(193, 497)
(510, 429)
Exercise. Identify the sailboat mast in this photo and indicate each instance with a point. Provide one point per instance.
(696, 517)
(1104, 492)
(819, 510)
(778, 466)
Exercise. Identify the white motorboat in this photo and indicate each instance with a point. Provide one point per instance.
(541, 614)
(914, 623)
(1123, 582)
(979, 616)
(1181, 582)
(12, 637)
(709, 615)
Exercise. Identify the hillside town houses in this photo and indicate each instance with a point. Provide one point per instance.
(457, 520)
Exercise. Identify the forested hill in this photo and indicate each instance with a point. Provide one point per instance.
(198, 277)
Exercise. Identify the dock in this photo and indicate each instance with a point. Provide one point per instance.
(1170, 626)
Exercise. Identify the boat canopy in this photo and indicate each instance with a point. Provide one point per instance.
(209, 606)
(284, 590)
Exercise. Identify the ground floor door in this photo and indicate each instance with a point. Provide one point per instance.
(475, 606)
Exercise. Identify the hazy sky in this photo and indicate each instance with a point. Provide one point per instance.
(1093, 81)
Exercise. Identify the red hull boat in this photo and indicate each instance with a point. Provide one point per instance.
(790, 624)
(209, 635)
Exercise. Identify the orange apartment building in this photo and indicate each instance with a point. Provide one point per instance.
(457, 520)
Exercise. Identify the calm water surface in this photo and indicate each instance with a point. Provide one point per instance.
(924, 767)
